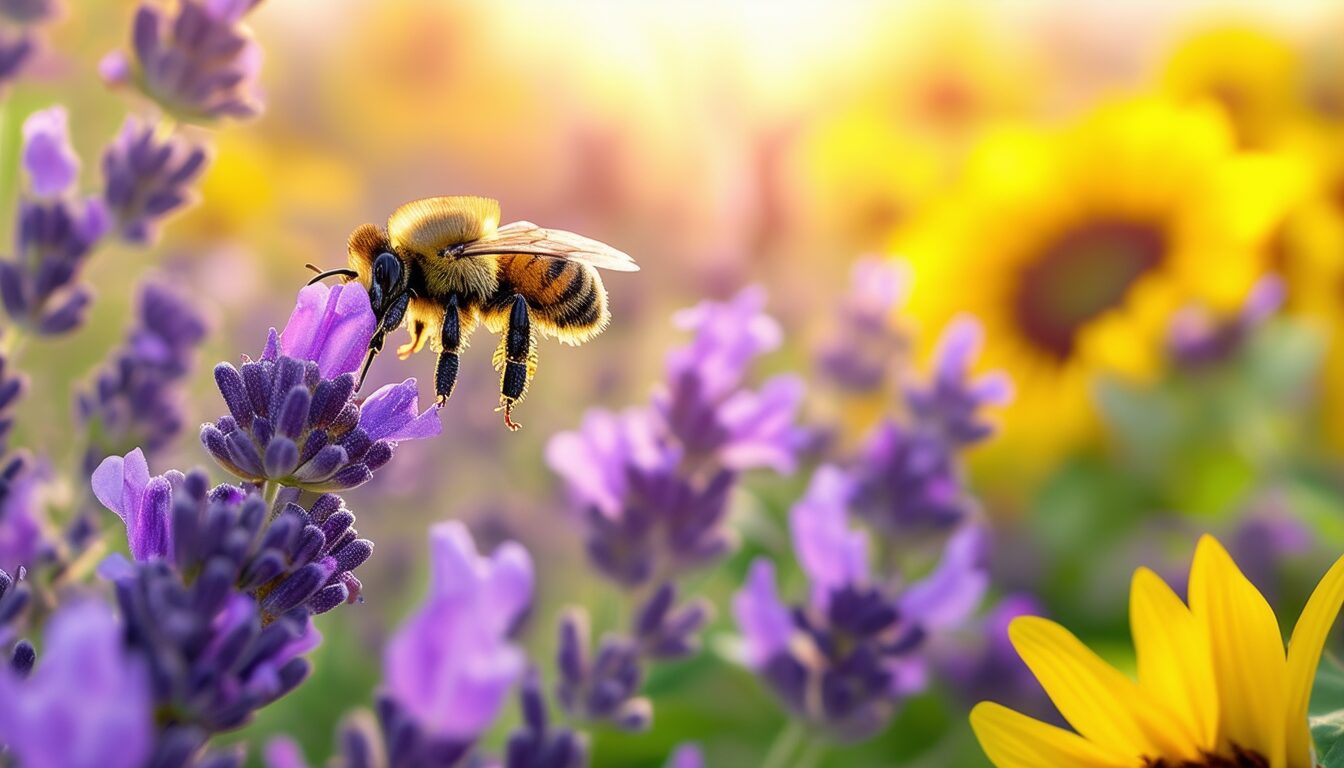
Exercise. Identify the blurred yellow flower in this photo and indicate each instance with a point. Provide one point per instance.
(1075, 246)
(1215, 687)
(1253, 76)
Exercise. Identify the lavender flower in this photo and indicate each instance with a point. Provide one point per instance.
(28, 12)
(907, 477)
(450, 665)
(849, 654)
(87, 703)
(686, 756)
(198, 61)
(705, 406)
(147, 176)
(136, 400)
(305, 558)
(293, 418)
(56, 232)
(13, 385)
(1198, 339)
(17, 40)
(538, 744)
(15, 50)
(861, 355)
(23, 536)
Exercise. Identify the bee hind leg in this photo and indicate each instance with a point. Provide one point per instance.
(445, 374)
(518, 361)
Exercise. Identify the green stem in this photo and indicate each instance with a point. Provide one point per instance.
(785, 745)
(812, 753)
(269, 491)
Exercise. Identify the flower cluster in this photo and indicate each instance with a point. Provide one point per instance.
(854, 648)
(135, 400)
(865, 349)
(293, 416)
(652, 486)
(197, 61)
(1198, 339)
(147, 175)
(907, 478)
(56, 232)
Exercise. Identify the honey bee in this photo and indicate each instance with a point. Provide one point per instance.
(444, 264)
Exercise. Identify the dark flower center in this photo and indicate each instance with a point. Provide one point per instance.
(1240, 759)
(1080, 276)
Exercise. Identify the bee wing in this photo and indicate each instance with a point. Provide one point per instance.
(526, 237)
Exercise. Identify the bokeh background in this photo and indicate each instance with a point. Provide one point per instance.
(1083, 177)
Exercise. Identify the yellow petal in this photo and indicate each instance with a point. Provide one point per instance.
(1247, 651)
(1173, 655)
(1013, 740)
(1103, 705)
(1304, 654)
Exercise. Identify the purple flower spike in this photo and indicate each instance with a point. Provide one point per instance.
(392, 413)
(15, 50)
(51, 164)
(451, 664)
(146, 177)
(87, 703)
(765, 622)
(860, 355)
(23, 542)
(143, 503)
(954, 590)
(831, 553)
(331, 325)
(1198, 339)
(950, 404)
(198, 61)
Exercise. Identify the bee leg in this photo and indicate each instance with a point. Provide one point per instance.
(396, 312)
(445, 375)
(517, 362)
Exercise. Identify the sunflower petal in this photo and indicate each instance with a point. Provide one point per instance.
(1304, 654)
(1013, 740)
(1173, 656)
(1247, 651)
(1102, 704)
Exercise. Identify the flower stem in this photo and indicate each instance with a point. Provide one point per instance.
(814, 750)
(785, 745)
(269, 491)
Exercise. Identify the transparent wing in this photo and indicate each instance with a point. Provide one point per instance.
(526, 237)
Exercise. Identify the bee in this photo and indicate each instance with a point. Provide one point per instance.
(444, 265)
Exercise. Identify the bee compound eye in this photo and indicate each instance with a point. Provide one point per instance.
(387, 270)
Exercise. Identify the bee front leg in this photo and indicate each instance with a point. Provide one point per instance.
(396, 312)
(445, 375)
(517, 361)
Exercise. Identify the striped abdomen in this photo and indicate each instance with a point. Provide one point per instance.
(567, 299)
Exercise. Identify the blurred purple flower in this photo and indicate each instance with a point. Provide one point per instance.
(860, 356)
(147, 176)
(87, 703)
(538, 743)
(39, 287)
(907, 482)
(51, 164)
(686, 756)
(293, 418)
(29, 12)
(1199, 339)
(13, 386)
(23, 536)
(451, 664)
(705, 406)
(849, 654)
(950, 403)
(15, 49)
(197, 60)
(136, 399)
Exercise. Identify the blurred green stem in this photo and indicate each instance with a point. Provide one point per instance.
(269, 491)
(785, 745)
(11, 342)
(812, 753)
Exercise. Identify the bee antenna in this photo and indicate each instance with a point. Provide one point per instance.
(330, 273)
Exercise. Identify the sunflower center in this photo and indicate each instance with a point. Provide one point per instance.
(1240, 759)
(1080, 276)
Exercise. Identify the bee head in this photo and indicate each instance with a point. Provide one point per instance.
(380, 270)
(387, 281)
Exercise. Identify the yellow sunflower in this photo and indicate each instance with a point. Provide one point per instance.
(1254, 76)
(1074, 247)
(1214, 688)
